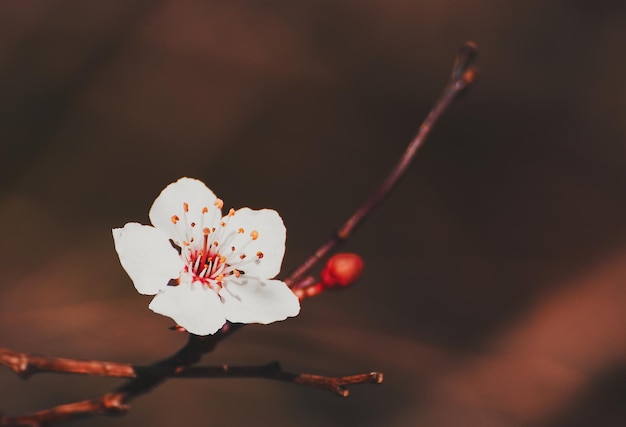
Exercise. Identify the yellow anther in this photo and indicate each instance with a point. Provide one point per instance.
(241, 231)
(206, 231)
(185, 243)
(242, 256)
(219, 203)
(219, 278)
(175, 219)
(260, 255)
(236, 273)
(222, 259)
(231, 212)
(186, 206)
(205, 210)
(223, 224)
(254, 234)
(215, 243)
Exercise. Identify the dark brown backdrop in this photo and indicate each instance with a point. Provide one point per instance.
(494, 291)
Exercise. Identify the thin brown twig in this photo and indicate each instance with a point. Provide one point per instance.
(107, 404)
(274, 371)
(26, 365)
(463, 75)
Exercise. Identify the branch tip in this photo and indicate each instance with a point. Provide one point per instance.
(113, 403)
(464, 60)
(342, 392)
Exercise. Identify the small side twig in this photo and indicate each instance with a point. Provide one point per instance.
(274, 371)
(25, 365)
(463, 75)
(109, 404)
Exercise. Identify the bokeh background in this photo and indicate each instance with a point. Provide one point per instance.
(494, 292)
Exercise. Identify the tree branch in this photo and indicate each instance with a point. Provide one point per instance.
(463, 75)
(274, 371)
(115, 403)
(25, 365)
(179, 365)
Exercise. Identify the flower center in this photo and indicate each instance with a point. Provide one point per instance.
(207, 265)
(212, 258)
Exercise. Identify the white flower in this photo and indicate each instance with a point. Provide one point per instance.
(206, 269)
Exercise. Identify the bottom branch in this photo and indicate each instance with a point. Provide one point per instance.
(115, 403)
(108, 404)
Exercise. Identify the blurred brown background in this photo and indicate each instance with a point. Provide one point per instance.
(495, 285)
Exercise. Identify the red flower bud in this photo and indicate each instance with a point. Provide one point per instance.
(341, 270)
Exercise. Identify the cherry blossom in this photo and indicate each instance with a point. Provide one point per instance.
(204, 268)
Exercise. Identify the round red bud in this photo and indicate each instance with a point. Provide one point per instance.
(341, 270)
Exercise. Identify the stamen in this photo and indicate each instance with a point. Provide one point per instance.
(260, 255)
(242, 256)
(193, 224)
(225, 237)
(196, 266)
(205, 251)
(223, 259)
(219, 203)
(186, 207)
(175, 219)
(185, 243)
(254, 234)
(214, 267)
(232, 248)
(241, 231)
(216, 243)
(236, 273)
(205, 210)
(223, 224)
(231, 212)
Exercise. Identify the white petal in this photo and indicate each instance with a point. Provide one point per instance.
(147, 256)
(250, 300)
(171, 203)
(270, 242)
(192, 306)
